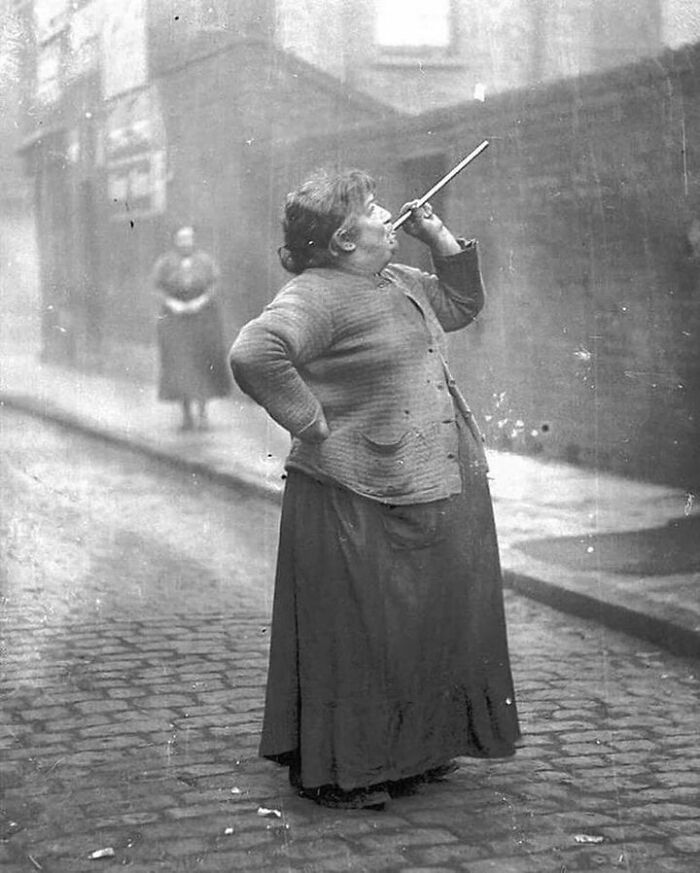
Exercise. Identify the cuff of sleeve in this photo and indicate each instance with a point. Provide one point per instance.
(467, 245)
(300, 431)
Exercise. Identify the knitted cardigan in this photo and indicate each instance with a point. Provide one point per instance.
(368, 353)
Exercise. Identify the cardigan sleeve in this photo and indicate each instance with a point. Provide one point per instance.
(270, 351)
(456, 293)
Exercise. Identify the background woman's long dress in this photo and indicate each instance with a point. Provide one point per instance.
(388, 652)
(192, 351)
(192, 355)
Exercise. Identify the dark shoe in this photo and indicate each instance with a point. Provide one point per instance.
(412, 784)
(442, 771)
(295, 775)
(358, 798)
(405, 787)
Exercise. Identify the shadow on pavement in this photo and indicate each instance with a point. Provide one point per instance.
(655, 551)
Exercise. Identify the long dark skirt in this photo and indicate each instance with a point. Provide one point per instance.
(192, 355)
(388, 647)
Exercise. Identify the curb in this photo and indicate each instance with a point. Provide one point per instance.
(241, 480)
(675, 638)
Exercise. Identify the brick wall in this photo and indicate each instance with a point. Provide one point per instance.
(584, 204)
(584, 207)
(587, 206)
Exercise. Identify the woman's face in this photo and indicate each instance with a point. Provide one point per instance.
(375, 241)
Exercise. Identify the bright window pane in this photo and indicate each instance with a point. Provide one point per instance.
(413, 22)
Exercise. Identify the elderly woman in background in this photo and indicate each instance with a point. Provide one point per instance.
(192, 352)
(388, 650)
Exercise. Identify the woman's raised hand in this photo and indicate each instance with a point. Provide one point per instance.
(428, 227)
(423, 223)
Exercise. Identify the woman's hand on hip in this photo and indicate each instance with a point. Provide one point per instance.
(316, 432)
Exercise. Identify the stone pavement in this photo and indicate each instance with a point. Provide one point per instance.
(149, 750)
(129, 723)
(595, 545)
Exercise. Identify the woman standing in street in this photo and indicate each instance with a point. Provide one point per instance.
(388, 650)
(192, 352)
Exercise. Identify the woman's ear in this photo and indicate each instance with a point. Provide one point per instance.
(342, 242)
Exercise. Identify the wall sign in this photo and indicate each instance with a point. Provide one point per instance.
(134, 154)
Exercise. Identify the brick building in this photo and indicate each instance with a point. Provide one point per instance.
(143, 118)
(417, 56)
(147, 115)
(18, 285)
(587, 207)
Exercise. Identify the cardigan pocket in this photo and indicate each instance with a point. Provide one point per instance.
(387, 461)
(415, 526)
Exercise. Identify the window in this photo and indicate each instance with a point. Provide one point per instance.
(413, 23)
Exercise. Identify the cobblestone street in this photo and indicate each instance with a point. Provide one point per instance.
(134, 619)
